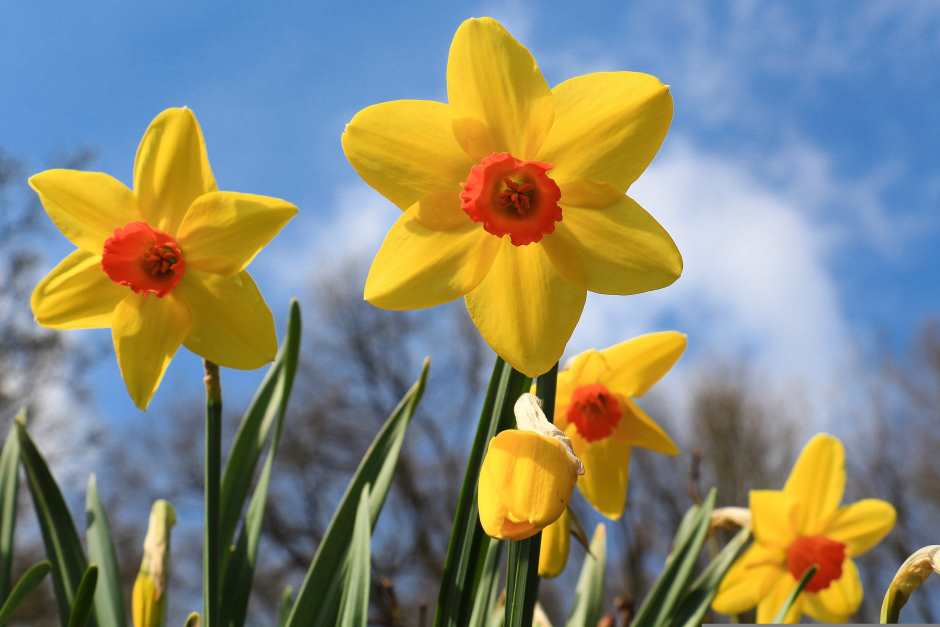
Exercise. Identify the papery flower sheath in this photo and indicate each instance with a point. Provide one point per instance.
(162, 264)
(513, 194)
(801, 526)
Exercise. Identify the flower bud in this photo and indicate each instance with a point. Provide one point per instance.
(148, 602)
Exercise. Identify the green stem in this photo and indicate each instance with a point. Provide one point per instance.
(781, 615)
(212, 551)
(522, 578)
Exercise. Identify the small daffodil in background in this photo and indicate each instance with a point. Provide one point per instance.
(513, 194)
(801, 526)
(527, 475)
(162, 264)
(595, 407)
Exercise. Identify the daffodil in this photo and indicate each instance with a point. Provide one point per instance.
(801, 526)
(513, 194)
(162, 264)
(527, 475)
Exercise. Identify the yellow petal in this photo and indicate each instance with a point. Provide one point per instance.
(606, 472)
(636, 428)
(817, 483)
(525, 483)
(76, 294)
(406, 150)
(773, 601)
(635, 365)
(223, 231)
(620, 249)
(85, 206)
(751, 577)
(841, 598)
(499, 98)
(553, 552)
(171, 169)
(862, 525)
(524, 309)
(771, 518)
(608, 126)
(232, 325)
(419, 267)
(147, 331)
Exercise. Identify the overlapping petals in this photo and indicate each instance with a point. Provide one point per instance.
(204, 300)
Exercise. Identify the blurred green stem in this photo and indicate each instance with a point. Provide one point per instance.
(523, 569)
(212, 552)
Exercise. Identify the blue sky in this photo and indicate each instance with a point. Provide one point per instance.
(799, 178)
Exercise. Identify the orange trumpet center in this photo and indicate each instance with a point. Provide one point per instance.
(144, 259)
(512, 197)
(594, 411)
(826, 554)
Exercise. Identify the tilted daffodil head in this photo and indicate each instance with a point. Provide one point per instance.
(595, 407)
(513, 194)
(527, 475)
(162, 264)
(801, 526)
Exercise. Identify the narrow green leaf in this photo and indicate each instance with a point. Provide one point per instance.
(267, 408)
(9, 490)
(80, 615)
(467, 548)
(791, 598)
(239, 563)
(354, 602)
(488, 586)
(318, 597)
(109, 599)
(694, 605)
(522, 576)
(661, 601)
(26, 584)
(63, 547)
(589, 593)
(283, 610)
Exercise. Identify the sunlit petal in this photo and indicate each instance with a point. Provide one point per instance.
(76, 294)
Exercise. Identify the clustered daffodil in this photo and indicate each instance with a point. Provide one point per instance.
(162, 264)
(513, 194)
(801, 526)
(595, 408)
(527, 475)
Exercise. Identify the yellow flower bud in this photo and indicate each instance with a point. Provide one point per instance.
(148, 602)
(553, 553)
(527, 475)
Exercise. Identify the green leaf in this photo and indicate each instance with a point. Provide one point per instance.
(84, 598)
(661, 601)
(283, 610)
(9, 490)
(267, 408)
(488, 586)
(354, 602)
(109, 599)
(791, 598)
(63, 547)
(318, 597)
(467, 548)
(694, 605)
(589, 593)
(26, 584)
(522, 576)
(270, 401)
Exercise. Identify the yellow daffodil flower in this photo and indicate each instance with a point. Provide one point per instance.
(594, 406)
(527, 475)
(513, 194)
(162, 264)
(801, 526)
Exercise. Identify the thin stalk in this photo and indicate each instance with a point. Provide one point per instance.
(212, 551)
(522, 582)
(790, 600)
